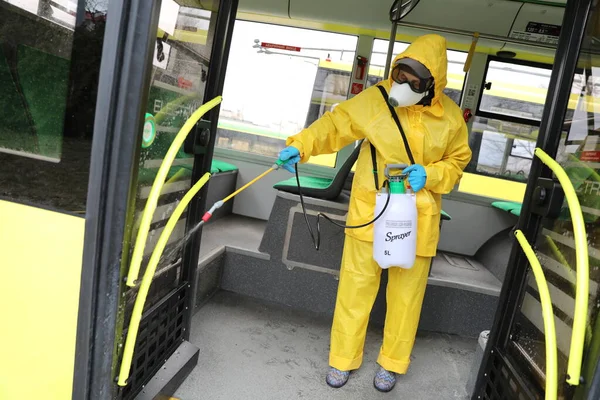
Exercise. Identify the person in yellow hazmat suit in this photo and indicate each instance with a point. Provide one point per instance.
(431, 137)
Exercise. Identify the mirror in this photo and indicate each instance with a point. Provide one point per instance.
(401, 8)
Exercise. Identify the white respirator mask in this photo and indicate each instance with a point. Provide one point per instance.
(401, 95)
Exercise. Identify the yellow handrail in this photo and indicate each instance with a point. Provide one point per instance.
(142, 234)
(583, 272)
(562, 261)
(138, 307)
(548, 314)
(472, 49)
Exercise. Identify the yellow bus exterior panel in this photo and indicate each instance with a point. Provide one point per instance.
(491, 187)
(40, 264)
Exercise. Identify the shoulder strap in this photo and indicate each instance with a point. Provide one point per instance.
(395, 116)
(374, 161)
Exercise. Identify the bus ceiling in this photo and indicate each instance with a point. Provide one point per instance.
(528, 28)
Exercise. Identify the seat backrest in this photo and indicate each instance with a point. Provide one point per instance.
(340, 177)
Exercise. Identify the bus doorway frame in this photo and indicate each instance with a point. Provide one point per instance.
(123, 92)
(567, 56)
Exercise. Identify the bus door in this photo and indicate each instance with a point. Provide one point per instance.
(92, 95)
(514, 364)
(188, 47)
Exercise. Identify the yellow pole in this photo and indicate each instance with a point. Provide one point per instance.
(176, 175)
(467, 65)
(548, 314)
(140, 300)
(562, 261)
(583, 272)
(151, 203)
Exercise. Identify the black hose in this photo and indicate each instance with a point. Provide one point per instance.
(317, 240)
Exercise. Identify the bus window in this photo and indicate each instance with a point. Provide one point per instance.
(507, 121)
(516, 90)
(503, 149)
(456, 61)
(280, 80)
(49, 72)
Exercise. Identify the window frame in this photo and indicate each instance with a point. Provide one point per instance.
(479, 113)
(502, 117)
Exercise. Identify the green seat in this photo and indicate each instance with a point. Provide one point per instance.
(445, 216)
(44, 80)
(511, 207)
(221, 166)
(34, 105)
(322, 188)
(327, 188)
(16, 131)
(306, 182)
(146, 175)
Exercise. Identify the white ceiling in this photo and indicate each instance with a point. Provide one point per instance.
(492, 17)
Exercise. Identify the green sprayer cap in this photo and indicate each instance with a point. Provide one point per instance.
(397, 187)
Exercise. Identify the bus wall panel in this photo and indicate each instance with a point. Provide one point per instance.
(472, 225)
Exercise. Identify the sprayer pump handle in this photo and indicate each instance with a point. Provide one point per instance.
(388, 167)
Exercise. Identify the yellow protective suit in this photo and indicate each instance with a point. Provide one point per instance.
(438, 138)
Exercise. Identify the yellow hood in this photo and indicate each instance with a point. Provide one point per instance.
(429, 50)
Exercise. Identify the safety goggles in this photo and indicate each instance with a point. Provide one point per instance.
(404, 74)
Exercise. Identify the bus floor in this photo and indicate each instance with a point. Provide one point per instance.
(251, 349)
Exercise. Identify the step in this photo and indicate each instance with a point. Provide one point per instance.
(456, 271)
(449, 307)
(461, 296)
(231, 234)
(234, 231)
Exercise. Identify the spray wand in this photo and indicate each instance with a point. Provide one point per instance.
(220, 203)
(316, 238)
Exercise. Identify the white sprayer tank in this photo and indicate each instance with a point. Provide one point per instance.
(395, 232)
